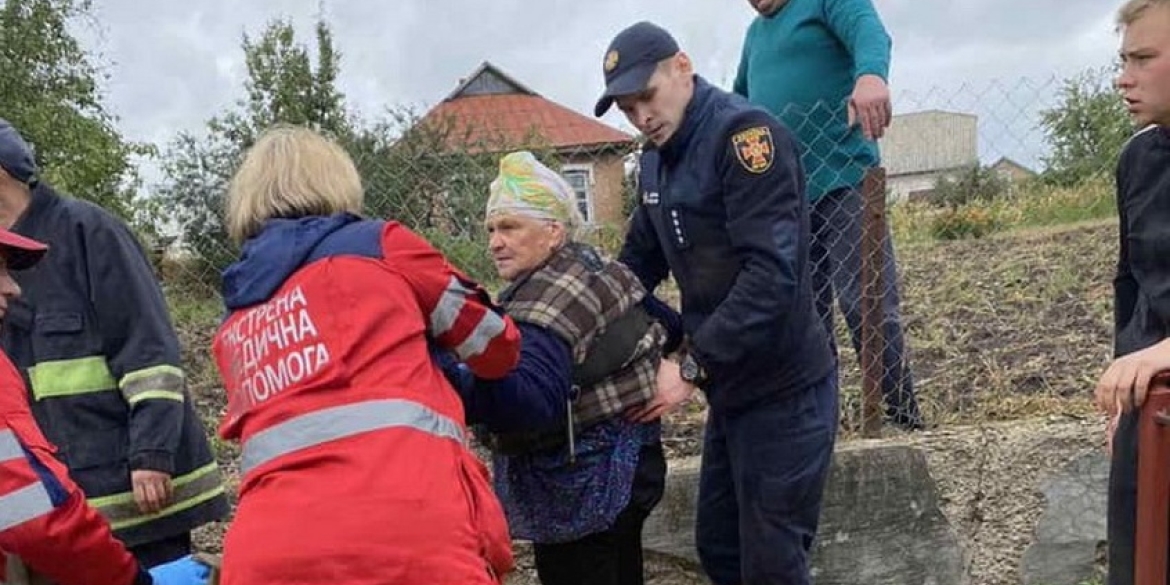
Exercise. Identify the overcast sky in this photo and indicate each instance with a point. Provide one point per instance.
(174, 63)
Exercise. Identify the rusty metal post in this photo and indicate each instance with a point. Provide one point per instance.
(873, 259)
(1153, 491)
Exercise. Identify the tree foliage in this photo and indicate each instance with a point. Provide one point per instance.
(287, 83)
(1085, 130)
(429, 173)
(50, 90)
(976, 183)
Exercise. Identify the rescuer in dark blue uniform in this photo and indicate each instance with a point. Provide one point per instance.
(723, 210)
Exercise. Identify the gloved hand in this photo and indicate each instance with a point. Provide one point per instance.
(183, 571)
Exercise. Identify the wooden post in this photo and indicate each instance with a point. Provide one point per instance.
(1153, 491)
(873, 259)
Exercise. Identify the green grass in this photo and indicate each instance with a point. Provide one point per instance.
(1030, 205)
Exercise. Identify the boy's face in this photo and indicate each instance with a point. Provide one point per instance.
(1145, 76)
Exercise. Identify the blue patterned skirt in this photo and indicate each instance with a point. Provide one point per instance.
(550, 499)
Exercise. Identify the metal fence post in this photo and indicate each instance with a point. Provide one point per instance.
(873, 235)
(1153, 491)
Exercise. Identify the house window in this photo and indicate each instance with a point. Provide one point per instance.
(580, 177)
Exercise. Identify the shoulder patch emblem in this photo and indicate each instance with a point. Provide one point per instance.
(753, 148)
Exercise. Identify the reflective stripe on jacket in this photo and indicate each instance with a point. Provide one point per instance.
(46, 529)
(347, 428)
(92, 336)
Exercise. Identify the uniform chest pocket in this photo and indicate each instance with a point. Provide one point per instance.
(58, 335)
(58, 323)
(68, 361)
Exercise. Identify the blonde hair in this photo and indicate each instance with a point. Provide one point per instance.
(1133, 9)
(290, 172)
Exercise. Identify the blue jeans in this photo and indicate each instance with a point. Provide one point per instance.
(761, 484)
(835, 262)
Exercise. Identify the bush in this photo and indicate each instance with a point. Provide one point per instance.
(963, 222)
(1028, 205)
(607, 238)
(974, 184)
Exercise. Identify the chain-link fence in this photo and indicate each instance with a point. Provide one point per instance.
(975, 257)
(968, 270)
(972, 318)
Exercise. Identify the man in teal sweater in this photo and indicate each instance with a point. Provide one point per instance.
(821, 67)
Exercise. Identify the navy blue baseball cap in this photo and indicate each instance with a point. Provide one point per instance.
(631, 59)
(16, 156)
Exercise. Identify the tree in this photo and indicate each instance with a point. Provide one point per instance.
(1086, 130)
(426, 173)
(433, 174)
(285, 84)
(49, 90)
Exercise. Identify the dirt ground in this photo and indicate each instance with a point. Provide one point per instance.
(988, 478)
(1011, 328)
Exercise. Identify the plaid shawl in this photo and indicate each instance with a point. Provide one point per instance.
(577, 294)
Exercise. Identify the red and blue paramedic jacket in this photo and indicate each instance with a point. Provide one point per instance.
(345, 422)
(44, 519)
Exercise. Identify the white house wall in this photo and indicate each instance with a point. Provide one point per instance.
(926, 142)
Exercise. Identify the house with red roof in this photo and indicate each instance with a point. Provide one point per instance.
(491, 112)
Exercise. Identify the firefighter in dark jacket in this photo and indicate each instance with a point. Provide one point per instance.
(46, 529)
(723, 209)
(94, 341)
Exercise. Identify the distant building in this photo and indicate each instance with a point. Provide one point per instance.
(1012, 171)
(920, 147)
(490, 111)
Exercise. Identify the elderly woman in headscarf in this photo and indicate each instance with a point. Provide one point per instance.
(577, 465)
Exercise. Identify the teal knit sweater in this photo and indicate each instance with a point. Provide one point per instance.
(801, 64)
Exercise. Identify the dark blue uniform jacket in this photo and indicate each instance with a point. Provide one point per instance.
(723, 209)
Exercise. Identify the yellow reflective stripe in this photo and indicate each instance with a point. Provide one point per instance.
(176, 483)
(163, 381)
(59, 378)
(190, 490)
(152, 394)
(169, 510)
(147, 373)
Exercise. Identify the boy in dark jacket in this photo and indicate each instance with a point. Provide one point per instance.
(1142, 283)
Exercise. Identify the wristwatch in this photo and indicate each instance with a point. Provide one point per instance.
(691, 371)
